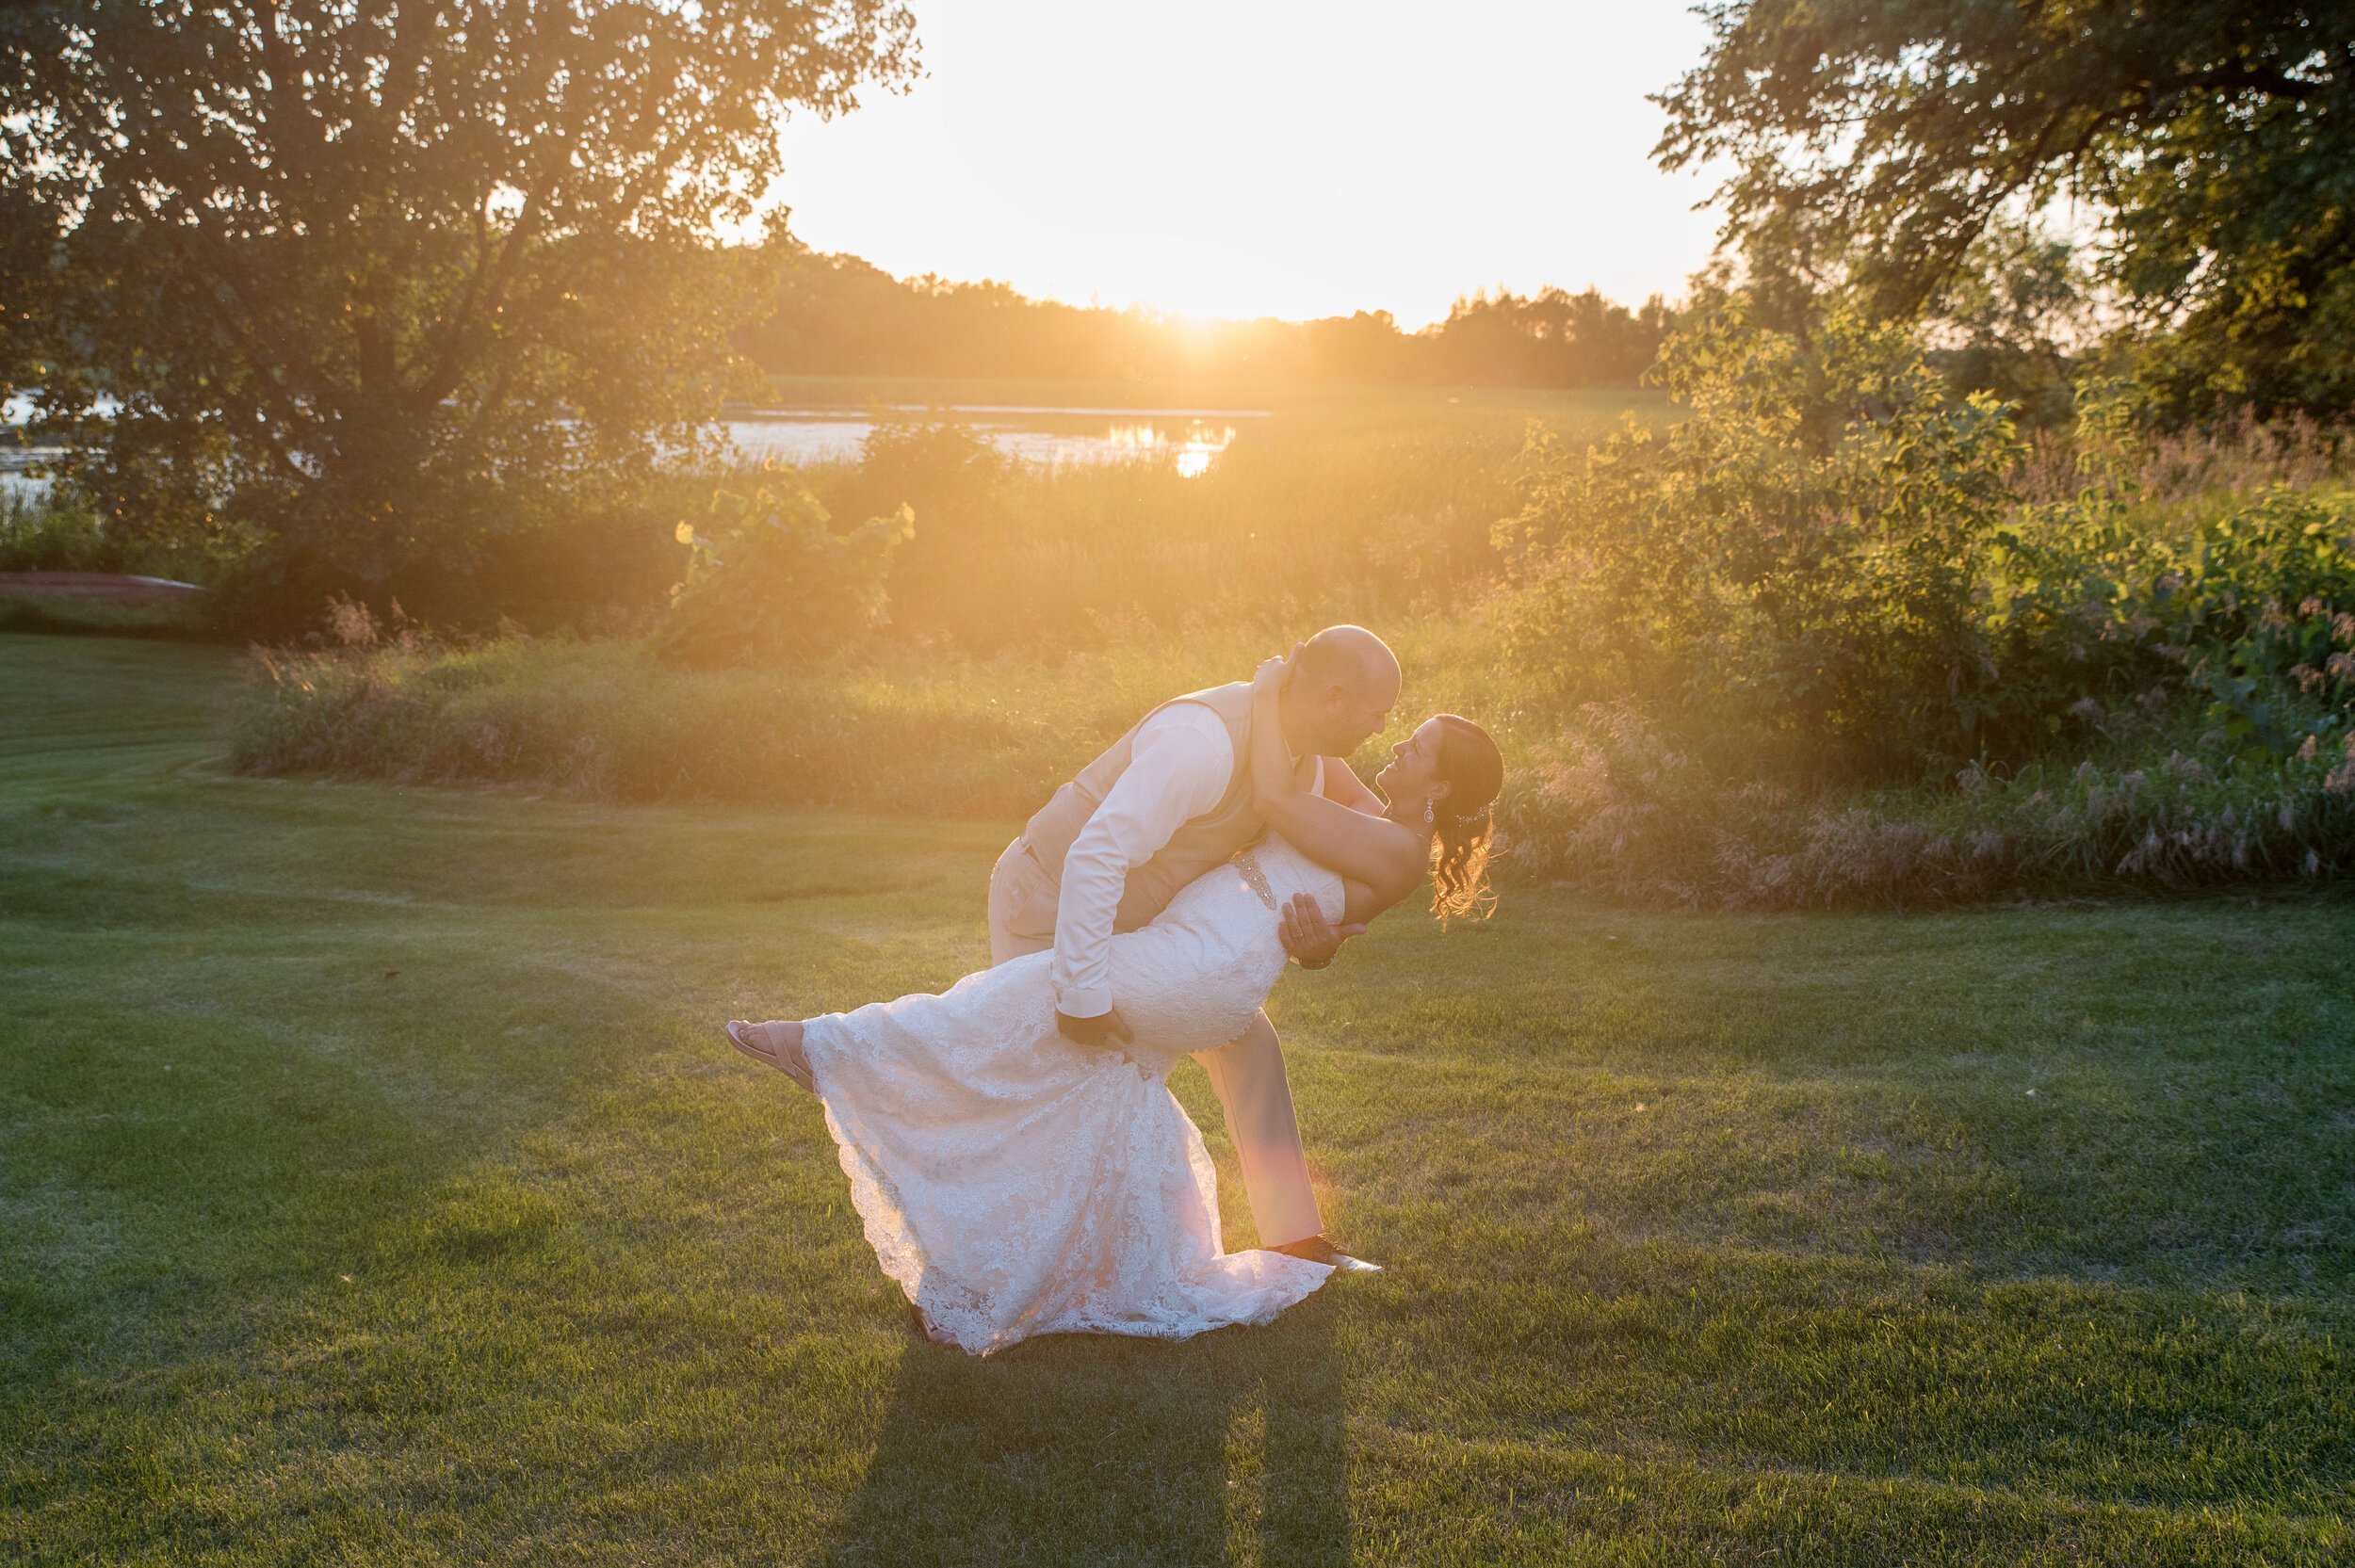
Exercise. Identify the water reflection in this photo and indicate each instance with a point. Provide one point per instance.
(1190, 440)
(15, 455)
(1190, 447)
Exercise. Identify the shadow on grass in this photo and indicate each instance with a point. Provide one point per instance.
(1073, 1449)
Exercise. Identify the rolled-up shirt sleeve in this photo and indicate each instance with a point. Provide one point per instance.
(1180, 765)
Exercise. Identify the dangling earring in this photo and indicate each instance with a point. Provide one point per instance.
(1430, 814)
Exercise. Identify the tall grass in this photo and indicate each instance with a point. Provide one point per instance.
(940, 735)
(1600, 802)
(1611, 807)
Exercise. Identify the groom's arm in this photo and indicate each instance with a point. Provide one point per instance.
(1179, 765)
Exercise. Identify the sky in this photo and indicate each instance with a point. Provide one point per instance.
(1278, 157)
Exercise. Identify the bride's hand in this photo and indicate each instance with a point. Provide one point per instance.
(1307, 937)
(1273, 674)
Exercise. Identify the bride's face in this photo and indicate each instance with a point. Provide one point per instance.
(1413, 773)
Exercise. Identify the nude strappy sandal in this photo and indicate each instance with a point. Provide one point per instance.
(755, 1041)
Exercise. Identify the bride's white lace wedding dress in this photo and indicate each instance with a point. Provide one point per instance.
(1017, 1184)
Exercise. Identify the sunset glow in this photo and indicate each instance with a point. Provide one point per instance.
(1299, 160)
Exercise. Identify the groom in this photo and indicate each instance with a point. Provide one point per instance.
(1168, 802)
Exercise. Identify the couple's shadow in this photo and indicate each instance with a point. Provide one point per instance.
(1095, 1451)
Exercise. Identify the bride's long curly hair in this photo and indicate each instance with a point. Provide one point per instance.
(1464, 822)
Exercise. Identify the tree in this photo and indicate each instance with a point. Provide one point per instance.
(1551, 338)
(837, 314)
(28, 242)
(2212, 142)
(397, 281)
(25, 259)
(2014, 321)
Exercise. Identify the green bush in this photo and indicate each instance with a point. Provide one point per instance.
(773, 581)
(1797, 563)
(54, 533)
(1832, 573)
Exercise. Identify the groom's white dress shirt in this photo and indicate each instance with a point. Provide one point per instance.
(1179, 765)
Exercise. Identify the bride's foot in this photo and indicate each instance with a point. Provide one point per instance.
(777, 1042)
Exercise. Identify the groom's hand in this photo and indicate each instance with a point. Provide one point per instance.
(1103, 1031)
(1309, 937)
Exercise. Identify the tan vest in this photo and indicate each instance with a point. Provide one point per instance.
(1199, 842)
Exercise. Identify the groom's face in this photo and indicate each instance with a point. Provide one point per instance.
(1354, 714)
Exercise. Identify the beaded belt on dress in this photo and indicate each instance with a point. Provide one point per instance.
(1255, 877)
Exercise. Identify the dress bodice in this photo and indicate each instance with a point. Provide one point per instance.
(1193, 978)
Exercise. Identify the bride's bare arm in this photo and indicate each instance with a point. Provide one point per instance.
(1387, 858)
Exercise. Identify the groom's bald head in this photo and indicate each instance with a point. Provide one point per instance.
(1352, 656)
(1345, 681)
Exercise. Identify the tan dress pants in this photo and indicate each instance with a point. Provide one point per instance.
(1247, 1073)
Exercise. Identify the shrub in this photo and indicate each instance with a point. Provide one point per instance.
(1833, 573)
(1798, 560)
(51, 532)
(775, 581)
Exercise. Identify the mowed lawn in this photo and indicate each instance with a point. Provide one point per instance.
(376, 1188)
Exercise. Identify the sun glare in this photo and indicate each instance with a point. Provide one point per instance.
(1254, 162)
(1191, 450)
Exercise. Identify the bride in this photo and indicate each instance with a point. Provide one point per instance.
(1016, 1183)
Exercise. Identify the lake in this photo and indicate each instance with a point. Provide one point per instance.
(1188, 439)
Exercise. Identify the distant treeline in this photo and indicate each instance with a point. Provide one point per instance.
(839, 315)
